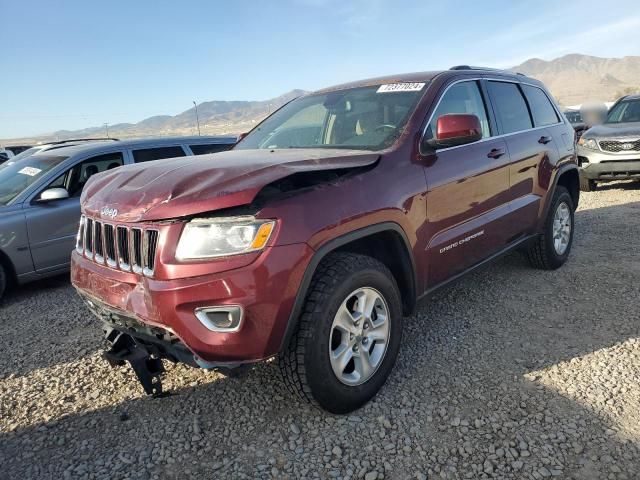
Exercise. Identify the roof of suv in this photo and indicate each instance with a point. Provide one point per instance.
(100, 145)
(427, 77)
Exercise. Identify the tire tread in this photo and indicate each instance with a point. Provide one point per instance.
(537, 253)
(330, 272)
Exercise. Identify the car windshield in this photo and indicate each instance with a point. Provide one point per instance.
(17, 177)
(626, 111)
(364, 118)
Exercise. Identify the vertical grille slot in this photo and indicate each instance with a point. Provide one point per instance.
(150, 247)
(88, 238)
(136, 249)
(118, 246)
(98, 244)
(109, 245)
(124, 253)
(80, 236)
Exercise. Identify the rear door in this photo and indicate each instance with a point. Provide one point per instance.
(523, 114)
(52, 226)
(468, 185)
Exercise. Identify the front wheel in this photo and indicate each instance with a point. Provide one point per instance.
(348, 335)
(552, 248)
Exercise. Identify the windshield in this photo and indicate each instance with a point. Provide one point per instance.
(17, 177)
(625, 112)
(367, 118)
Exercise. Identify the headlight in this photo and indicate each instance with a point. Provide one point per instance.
(220, 237)
(588, 143)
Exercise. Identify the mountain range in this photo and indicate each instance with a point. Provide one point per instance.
(572, 79)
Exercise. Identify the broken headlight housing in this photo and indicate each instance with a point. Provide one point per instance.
(221, 237)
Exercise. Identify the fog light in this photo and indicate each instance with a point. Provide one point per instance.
(220, 319)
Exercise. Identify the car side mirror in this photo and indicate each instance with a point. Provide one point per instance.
(51, 194)
(456, 129)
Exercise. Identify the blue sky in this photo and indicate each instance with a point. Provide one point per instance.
(73, 64)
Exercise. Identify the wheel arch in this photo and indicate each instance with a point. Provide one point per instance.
(7, 264)
(570, 179)
(567, 176)
(396, 255)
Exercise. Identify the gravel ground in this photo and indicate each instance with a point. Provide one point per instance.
(511, 373)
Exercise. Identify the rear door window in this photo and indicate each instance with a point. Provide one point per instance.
(157, 153)
(543, 112)
(510, 106)
(463, 97)
(204, 148)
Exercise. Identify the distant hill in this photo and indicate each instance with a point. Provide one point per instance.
(572, 79)
(575, 78)
(216, 117)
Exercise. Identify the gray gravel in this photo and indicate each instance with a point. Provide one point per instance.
(512, 373)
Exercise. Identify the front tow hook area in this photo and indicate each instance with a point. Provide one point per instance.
(147, 367)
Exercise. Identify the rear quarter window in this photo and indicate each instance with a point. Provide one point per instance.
(203, 149)
(157, 153)
(541, 107)
(510, 106)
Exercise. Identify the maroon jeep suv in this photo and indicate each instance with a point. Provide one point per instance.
(325, 225)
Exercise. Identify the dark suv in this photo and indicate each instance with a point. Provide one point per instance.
(324, 226)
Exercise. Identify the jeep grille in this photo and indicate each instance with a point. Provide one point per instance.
(118, 246)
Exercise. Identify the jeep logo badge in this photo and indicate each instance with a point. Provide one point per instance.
(109, 212)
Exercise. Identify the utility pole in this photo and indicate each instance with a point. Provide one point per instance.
(106, 127)
(197, 118)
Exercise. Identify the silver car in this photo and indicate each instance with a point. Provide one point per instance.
(40, 198)
(611, 151)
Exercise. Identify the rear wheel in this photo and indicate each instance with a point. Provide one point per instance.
(3, 280)
(348, 335)
(587, 185)
(552, 248)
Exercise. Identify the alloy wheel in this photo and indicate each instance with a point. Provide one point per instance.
(359, 336)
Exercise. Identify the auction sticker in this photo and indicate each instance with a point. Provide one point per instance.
(31, 171)
(400, 87)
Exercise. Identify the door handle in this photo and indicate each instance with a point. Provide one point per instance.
(544, 139)
(496, 153)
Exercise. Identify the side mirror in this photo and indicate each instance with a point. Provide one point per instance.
(51, 194)
(456, 129)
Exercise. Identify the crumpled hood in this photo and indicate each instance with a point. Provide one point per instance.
(177, 187)
(614, 130)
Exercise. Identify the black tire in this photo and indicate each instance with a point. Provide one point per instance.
(587, 185)
(3, 280)
(542, 253)
(305, 362)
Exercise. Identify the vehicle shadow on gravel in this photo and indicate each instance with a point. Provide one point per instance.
(622, 185)
(500, 375)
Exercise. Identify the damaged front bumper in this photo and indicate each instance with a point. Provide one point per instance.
(144, 346)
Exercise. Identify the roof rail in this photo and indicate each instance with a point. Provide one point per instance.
(489, 69)
(82, 140)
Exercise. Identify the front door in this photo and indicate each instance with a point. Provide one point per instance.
(468, 191)
(52, 226)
